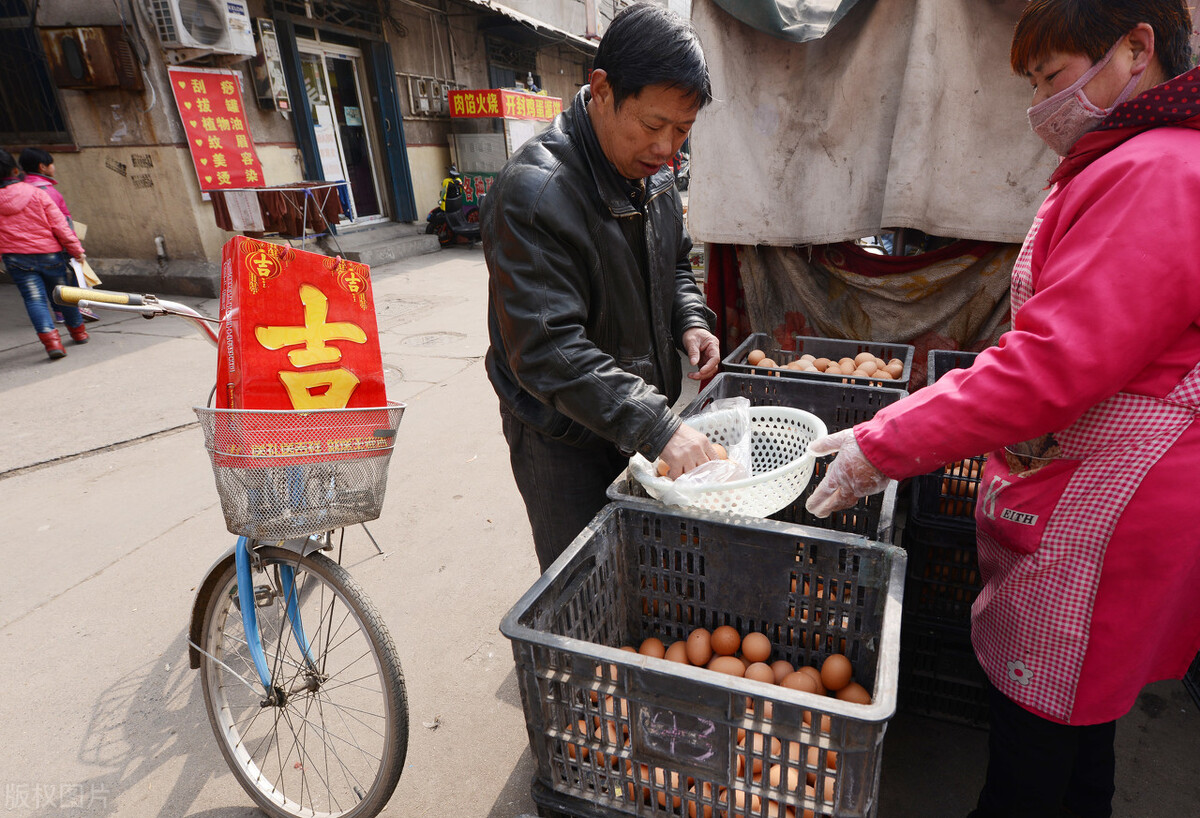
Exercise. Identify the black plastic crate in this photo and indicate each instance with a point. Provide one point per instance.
(1191, 680)
(948, 495)
(616, 733)
(839, 405)
(833, 348)
(943, 570)
(939, 674)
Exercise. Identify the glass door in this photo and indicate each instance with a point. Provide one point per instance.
(340, 123)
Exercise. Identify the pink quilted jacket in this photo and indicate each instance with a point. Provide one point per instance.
(30, 222)
(47, 184)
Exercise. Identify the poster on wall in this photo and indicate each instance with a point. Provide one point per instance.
(214, 119)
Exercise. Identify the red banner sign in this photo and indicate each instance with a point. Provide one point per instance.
(502, 102)
(214, 119)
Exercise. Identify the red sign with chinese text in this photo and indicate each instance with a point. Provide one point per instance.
(214, 119)
(502, 102)
(298, 331)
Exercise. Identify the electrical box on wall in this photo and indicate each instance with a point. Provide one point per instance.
(270, 85)
(204, 27)
(87, 57)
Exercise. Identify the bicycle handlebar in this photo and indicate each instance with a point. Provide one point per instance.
(73, 295)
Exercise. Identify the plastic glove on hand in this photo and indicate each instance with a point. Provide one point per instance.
(848, 477)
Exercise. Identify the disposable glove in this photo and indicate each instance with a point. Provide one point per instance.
(848, 477)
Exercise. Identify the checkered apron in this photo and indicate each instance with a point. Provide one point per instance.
(1031, 623)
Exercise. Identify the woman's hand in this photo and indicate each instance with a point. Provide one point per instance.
(848, 477)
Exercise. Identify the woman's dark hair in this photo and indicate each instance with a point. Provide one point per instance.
(1091, 27)
(648, 45)
(33, 158)
(7, 164)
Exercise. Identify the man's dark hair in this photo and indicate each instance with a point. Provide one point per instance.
(33, 158)
(7, 163)
(648, 45)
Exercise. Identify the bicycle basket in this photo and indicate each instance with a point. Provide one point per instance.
(780, 465)
(283, 474)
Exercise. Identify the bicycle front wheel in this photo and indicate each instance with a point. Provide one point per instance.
(331, 736)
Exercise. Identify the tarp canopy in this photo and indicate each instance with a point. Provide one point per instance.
(795, 20)
(906, 114)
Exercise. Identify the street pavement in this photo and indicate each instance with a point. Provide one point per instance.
(113, 520)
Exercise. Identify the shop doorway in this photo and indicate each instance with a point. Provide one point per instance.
(334, 83)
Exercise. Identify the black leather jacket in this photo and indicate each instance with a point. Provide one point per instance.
(588, 294)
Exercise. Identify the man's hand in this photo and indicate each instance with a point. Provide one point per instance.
(704, 351)
(686, 450)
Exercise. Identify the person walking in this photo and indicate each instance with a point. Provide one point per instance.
(38, 167)
(591, 296)
(1088, 407)
(33, 233)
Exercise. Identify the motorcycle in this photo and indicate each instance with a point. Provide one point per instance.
(453, 220)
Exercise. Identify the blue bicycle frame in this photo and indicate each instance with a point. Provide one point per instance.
(249, 609)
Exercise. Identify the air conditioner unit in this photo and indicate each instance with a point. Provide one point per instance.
(213, 26)
(87, 57)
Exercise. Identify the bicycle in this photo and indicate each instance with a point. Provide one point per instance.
(302, 683)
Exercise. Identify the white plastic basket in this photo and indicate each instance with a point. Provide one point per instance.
(780, 466)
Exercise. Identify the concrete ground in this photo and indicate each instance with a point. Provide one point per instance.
(113, 520)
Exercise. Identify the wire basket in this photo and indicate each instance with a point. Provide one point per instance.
(282, 474)
(780, 466)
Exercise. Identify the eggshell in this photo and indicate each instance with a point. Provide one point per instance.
(799, 681)
(755, 356)
(677, 652)
(767, 362)
(863, 357)
(854, 692)
(726, 640)
(822, 363)
(815, 675)
(730, 665)
(760, 672)
(868, 367)
(653, 647)
(782, 668)
(756, 647)
(836, 672)
(661, 467)
(722, 453)
(699, 647)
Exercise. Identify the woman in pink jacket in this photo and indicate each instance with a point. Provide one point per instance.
(33, 235)
(1090, 558)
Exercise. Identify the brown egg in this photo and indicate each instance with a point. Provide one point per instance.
(815, 675)
(836, 672)
(854, 692)
(814, 758)
(755, 356)
(806, 357)
(847, 362)
(767, 362)
(730, 665)
(660, 778)
(799, 681)
(760, 672)
(661, 467)
(578, 733)
(756, 743)
(653, 647)
(756, 647)
(868, 367)
(699, 647)
(722, 454)
(629, 648)
(781, 667)
(822, 363)
(884, 375)
(863, 357)
(775, 775)
(725, 640)
(677, 652)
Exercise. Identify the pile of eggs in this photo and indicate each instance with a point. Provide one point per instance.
(862, 365)
(724, 650)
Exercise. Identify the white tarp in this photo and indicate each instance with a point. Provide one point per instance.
(906, 114)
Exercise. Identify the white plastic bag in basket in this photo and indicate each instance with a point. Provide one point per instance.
(725, 421)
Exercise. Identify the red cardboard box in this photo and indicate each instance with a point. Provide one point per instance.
(297, 331)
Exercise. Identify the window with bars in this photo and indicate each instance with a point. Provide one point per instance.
(29, 106)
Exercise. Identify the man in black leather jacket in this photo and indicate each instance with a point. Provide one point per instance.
(591, 294)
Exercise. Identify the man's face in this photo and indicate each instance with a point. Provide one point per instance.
(646, 131)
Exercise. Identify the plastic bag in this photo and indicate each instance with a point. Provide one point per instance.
(725, 421)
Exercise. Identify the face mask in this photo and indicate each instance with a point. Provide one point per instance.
(1069, 114)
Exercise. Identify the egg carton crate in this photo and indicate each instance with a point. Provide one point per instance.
(948, 495)
(1191, 680)
(833, 348)
(943, 569)
(616, 733)
(939, 675)
(839, 405)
